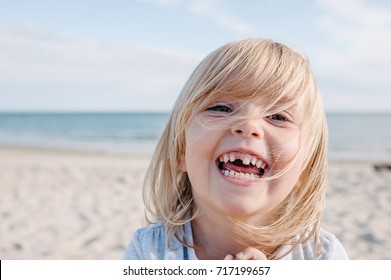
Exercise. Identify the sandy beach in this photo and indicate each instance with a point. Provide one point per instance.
(62, 204)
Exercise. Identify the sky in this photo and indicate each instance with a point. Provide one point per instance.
(124, 55)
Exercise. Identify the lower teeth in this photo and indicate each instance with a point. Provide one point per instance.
(240, 175)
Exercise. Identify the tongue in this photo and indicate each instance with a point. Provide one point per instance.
(242, 168)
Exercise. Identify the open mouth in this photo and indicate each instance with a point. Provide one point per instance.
(241, 166)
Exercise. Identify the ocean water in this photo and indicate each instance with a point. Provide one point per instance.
(360, 136)
(110, 131)
(351, 135)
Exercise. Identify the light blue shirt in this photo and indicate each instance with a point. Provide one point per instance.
(150, 243)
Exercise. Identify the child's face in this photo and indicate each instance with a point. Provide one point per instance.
(226, 165)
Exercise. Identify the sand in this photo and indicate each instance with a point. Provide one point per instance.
(62, 204)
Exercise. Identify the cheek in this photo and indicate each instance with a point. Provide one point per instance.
(283, 186)
(291, 178)
(192, 153)
(182, 164)
(185, 159)
(288, 150)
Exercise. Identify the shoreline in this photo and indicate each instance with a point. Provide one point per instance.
(85, 204)
(147, 150)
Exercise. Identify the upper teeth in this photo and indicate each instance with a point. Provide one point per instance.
(245, 158)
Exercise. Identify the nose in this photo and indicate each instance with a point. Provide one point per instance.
(248, 128)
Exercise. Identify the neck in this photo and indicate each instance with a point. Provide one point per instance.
(214, 237)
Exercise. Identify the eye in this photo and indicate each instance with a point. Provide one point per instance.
(278, 119)
(220, 108)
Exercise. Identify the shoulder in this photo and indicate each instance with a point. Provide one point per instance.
(145, 243)
(151, 243)
(153, 232)
(330, 248)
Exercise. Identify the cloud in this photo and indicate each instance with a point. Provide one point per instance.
(214, 9)
(359, 51)
(360, 13)
(364, 29)
(161, 2)
(45, 63)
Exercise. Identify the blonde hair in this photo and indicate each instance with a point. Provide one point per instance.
(252, 69)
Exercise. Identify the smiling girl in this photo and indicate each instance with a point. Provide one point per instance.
(240, 170)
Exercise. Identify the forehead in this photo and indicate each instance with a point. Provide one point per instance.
(265, 102)
(272, 100)
(260, 85)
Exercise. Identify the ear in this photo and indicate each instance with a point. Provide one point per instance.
(182, 163)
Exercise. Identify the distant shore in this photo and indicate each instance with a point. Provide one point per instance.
(85, 204)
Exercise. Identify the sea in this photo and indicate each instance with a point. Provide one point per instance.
(352, 136)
